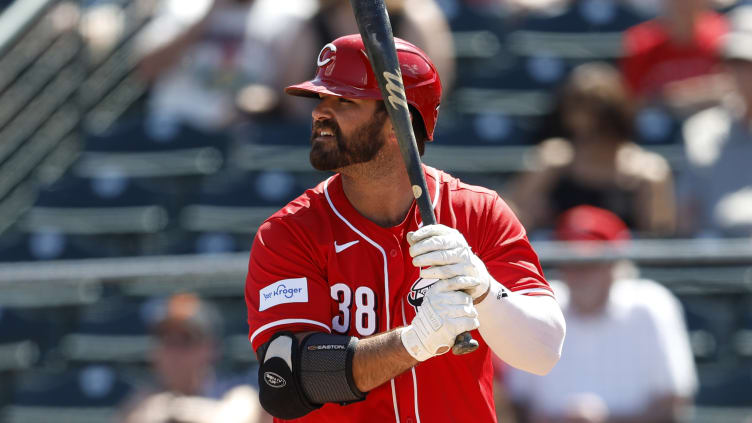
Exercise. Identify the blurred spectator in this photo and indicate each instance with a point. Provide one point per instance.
(212, 60)
(627, 356)
(674, 57)
(535, 6)
(717, 185)
(598, 164)
(183, 361)
(419, 21)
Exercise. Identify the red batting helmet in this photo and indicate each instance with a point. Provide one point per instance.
(344, 71)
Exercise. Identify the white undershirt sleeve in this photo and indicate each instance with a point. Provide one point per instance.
(526, 332)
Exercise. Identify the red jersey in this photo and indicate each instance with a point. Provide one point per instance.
(652, 59)
(318, 265)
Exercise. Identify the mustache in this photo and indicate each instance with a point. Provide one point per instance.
(325, 124)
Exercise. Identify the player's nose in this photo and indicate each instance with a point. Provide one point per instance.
(323, 109)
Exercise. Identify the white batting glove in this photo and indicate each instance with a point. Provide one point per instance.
(443, 314)
(443, 253)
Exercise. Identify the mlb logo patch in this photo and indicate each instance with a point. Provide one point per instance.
(284, 291)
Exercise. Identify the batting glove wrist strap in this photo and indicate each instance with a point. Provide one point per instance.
(413, 345)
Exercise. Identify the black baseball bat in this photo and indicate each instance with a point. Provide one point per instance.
(376, 32)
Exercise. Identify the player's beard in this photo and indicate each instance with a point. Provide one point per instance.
(361, 146)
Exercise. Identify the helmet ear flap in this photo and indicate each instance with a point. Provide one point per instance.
(419, 129)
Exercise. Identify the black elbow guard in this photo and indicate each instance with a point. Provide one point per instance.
(280, 392)
(295, 379)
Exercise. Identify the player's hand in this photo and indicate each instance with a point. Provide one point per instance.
(443, 253)
(443, 314)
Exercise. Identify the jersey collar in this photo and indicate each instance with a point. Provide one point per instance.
(412, 220)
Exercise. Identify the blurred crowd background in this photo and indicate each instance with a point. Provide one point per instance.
(142, 142)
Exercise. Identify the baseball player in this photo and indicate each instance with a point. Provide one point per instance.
(353, 303)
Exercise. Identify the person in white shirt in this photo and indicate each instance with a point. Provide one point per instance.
(627, 356)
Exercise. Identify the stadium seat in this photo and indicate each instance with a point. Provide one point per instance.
(23, 336)
(725, 386)
(237, 349)
(493, 128)
(210, 242)
(115, 211)
(656, 125)
(113, 330)
(586, 16)
(279, 132)
(86, 395)
(46, 245)
(152, 149)
(743, 336)
(237, 202)
(711, 326)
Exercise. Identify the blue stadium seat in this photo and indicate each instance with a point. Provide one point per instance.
(588, 30)
(152, 149)
(237, 202)
(210, 242)
(282, 132)
(656, 125)
(47, 245)
(237, 349)
(112, 330)
(711, 326)
(743, 336)
(23, 338)
(487, 129)
(105, 205)
(725, 386)
(586, 16)
(86, 395)
(479, 35)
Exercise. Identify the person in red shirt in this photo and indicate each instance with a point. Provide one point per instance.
(353, 302)
(671, 57)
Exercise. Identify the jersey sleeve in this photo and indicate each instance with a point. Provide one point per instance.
(285, 288)
(507, 253)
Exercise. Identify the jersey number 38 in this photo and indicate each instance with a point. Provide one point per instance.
(365, 320)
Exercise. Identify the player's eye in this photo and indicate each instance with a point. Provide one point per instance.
(344, 100)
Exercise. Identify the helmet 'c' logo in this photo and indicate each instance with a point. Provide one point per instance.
(418, 291)
(326, 54)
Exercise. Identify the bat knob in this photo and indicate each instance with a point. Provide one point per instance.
(464, 343)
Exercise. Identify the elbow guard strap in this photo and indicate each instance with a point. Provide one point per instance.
(297, 378)
(326, 369)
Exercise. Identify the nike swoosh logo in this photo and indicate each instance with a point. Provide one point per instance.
(340, 248)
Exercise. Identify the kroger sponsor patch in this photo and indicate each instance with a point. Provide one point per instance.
(284, 291)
